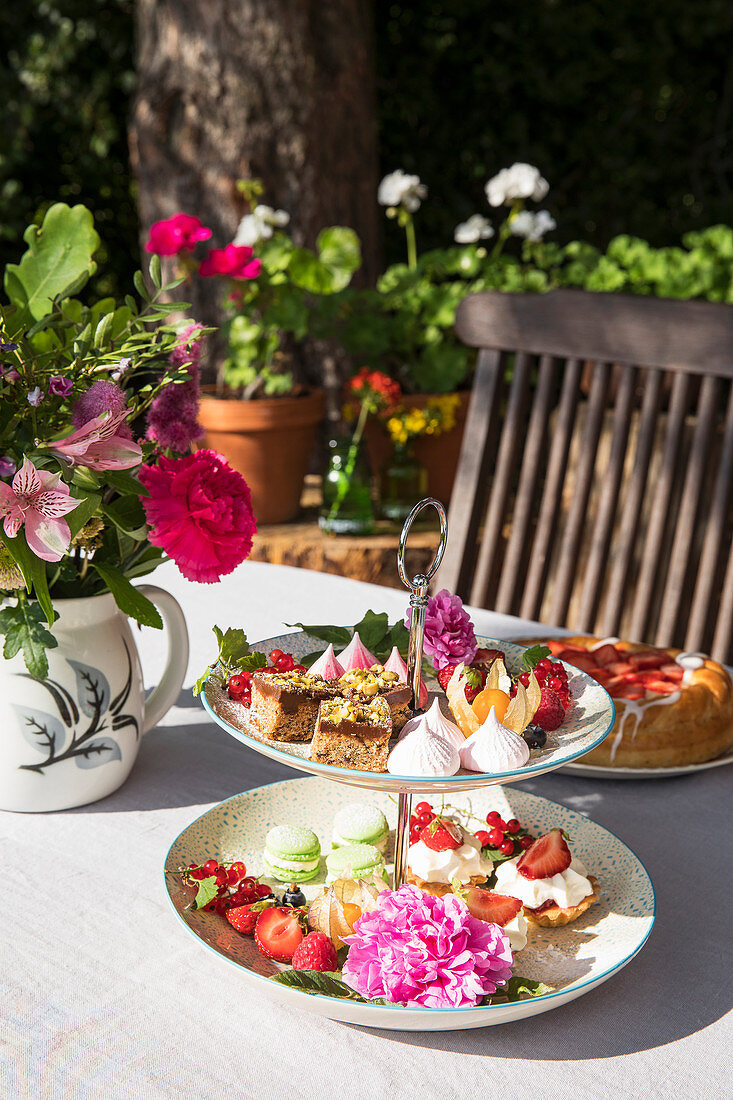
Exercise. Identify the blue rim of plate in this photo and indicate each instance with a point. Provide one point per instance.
(329, 770)
(421, 1008)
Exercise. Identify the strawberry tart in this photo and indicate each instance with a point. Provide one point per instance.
(672, 708)
(553, 885)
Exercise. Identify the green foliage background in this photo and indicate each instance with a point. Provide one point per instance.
(627, 108)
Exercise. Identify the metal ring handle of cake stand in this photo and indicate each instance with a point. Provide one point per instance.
(418, 588)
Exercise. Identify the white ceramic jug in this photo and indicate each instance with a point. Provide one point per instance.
(73, 738)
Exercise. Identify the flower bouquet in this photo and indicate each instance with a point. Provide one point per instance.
(98, 416)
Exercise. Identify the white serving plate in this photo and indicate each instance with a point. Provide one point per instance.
(587, 723)
(574, 959)
(595, 771)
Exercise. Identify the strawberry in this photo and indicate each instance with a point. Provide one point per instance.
(550, 713)
(279, 931)
(315, 952)
(606, 654)
(653, 659)
(486, 657)
(441, 835)
(619, 668)
(548, 856)
(244, 917)
(476, 679)
(661, 687)
(491, 907)
(672, 671)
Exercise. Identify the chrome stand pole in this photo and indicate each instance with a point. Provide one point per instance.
(418, 588)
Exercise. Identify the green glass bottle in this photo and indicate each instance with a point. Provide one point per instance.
(402, 483)
(347, 507)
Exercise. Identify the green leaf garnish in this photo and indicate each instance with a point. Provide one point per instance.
(326, 982)
(208, 888)
(517, 989)
(372, 629)
(332, 635)
(532, 656)
(234, 655)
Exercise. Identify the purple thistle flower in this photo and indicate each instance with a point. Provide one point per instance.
(101, 397)
(173, 418)
(60, 386)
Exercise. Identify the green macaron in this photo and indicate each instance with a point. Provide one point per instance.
(355, 861)
(292, 853)
(360, 823)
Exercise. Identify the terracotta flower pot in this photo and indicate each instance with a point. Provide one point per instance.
(438, 454)
(269, 441)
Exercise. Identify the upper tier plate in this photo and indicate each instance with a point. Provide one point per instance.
(586, 724)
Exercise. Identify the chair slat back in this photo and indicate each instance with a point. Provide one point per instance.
(595, 489)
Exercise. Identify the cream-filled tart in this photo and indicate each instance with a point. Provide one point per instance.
(552, 884)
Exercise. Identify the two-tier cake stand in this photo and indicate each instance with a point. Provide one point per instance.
(572, 960)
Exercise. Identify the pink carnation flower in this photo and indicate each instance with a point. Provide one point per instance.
(430, 951)
(235, 261)
(449, 636)
(181, 233)
(200, 512)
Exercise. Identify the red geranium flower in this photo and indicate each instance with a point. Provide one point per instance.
(235, 261)
(375, 389)
(200, 512)
(181, 233)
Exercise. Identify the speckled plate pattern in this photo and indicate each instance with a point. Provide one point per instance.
(586, 724)
(572, 960)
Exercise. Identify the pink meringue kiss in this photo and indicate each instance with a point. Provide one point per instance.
(356, 655)
(435, 722)
(328, 666)
(394, 663)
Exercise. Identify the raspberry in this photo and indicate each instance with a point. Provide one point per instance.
(315, 952)
(551, 713)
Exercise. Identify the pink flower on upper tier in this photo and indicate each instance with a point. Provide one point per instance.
(200, 512)
(38, 500)
(449, 635)
(235, 261)
(101, 444)
(181, 233)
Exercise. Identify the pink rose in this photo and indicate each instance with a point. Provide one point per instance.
(181, 233)
(200, 512)
(235, 261)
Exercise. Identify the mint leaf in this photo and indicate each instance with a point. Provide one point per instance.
(254, 660)
(207, 890)
(530, 657)
(333, 635)
(327, 983)
(518, 988)
(233, 645)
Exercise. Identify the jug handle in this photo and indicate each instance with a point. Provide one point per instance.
(162, 698)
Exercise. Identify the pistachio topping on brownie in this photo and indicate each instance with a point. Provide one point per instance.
(369, 681)
(334, 711)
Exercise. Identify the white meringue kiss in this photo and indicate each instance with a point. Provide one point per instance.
(436, 722)
(328, 666)
(394, 663)
(494, 748)
(423, 753)
(356, 655)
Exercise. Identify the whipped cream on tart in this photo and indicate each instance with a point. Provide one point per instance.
(464, 864)
(565, 890)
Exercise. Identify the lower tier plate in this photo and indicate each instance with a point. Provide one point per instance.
(572, 960)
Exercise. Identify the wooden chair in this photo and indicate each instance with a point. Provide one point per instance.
(594, 485)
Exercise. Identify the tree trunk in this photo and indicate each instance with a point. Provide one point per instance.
(280, 90)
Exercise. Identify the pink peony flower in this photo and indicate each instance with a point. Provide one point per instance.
(173, 417)
(181, 233)
(200, 512)
(449, 636)
(418, 948)
(60, 386)
(38, 500)
(235, 261)
(102, 444)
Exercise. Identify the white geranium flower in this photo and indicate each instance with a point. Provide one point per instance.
(532, 226)
(400, 189)
(521, 181)
(476, 228)
(260, 225)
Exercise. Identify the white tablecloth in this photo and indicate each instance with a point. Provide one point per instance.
(105, 995)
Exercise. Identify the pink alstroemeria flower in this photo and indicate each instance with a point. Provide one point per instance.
(38, 500)
(98, 445)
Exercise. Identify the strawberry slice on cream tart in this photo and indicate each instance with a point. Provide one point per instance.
(552, 884)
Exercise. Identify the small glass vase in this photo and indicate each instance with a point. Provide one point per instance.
(347, 507)
(402, 483)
